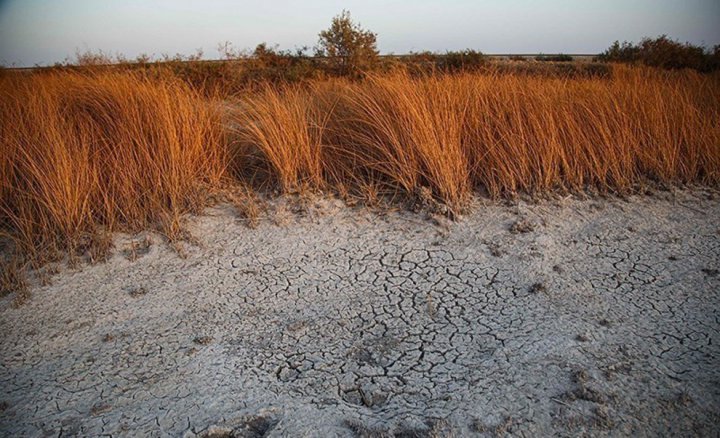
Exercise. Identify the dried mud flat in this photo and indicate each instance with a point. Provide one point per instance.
(565, 317)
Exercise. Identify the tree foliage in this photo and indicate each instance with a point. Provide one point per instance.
(349, 47)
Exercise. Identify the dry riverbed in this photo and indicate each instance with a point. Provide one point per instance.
(562, 317)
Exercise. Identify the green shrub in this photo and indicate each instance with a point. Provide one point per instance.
(663, 52)
(467, 59)
(560, 57)
(274, 65)
(621, 52)
(551, 69)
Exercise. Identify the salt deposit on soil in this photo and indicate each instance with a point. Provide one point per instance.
(555, 318)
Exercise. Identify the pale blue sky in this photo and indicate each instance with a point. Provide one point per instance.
(45, 31)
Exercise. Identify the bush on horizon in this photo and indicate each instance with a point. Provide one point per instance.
(664, 52)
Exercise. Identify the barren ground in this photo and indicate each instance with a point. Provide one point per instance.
(564, 317)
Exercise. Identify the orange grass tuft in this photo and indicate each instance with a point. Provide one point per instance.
(118, 149)
(408, 133)
(285, 126)
(107, 149)
(503, 132)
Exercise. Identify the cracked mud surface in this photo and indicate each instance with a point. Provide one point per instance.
(603, 318)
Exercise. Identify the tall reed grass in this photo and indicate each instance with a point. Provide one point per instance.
(82, 152)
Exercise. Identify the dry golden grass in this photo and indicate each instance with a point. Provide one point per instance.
(502, 132)
(82, 153)
(285, 127)
(403, 133)
(12, 280)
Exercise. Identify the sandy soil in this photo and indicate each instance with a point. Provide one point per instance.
(565, 317)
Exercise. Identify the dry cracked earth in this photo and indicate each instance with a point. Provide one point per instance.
(563, 317)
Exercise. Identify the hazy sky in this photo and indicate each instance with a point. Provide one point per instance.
(42, 32)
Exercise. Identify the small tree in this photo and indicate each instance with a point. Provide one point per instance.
(349, 47)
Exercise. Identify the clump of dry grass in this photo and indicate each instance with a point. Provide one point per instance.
(536, 134)
(79, 152)
(11, 277)
(84, 154)
(285, 125)
(503, 133)
(247, 204)
(13, 280)
(402, 132)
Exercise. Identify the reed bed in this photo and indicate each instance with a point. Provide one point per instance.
(118, 150)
